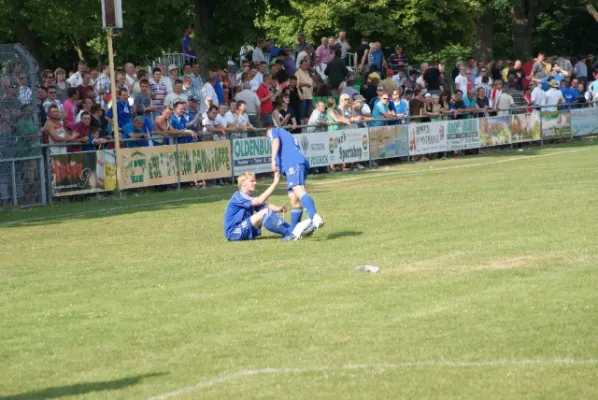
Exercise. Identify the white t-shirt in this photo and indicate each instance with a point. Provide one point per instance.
(207, 122)
(226, 120)
(207, 92)
(75, 80)
(365, 110)
(171, 98)
(461, 83)
(259, 77)
(504, 103)
(538, 97)
(258, 55)
(552, 99)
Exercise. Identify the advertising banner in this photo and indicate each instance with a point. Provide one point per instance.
(556, 124)
(151, 166)
(389, 142)
(335, 147)
(81, 173)
(252, 154)
(205, 160)
(427, 138)
(584, 121)
(495, 131)
(526, 127)
(462, 134)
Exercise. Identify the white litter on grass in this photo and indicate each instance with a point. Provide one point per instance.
(379, 367)
(367, 268)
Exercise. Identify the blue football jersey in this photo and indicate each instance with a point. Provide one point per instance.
(237, 210)
(289, 153)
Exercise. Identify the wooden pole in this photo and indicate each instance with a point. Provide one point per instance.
(114, 97)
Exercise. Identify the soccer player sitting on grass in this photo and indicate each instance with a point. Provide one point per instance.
(245, 214)
(288, 159)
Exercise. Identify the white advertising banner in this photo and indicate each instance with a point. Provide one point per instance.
(584, 121)
(251, 155)
(335, 147)
(427, 138)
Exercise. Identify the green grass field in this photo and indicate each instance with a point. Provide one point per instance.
(488, 289)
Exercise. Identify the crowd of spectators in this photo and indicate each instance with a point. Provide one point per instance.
(325, 87)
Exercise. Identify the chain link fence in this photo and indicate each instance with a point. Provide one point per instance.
(22, 181)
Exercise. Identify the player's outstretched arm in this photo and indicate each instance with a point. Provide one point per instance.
(278, 209)
(258, 201)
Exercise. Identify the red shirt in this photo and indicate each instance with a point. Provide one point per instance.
(267, 106)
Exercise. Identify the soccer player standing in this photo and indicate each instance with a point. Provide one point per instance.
(288, 159)
(246, 214)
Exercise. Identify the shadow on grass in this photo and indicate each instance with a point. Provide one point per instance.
(82, 388)
(343, 234)
(129, 202)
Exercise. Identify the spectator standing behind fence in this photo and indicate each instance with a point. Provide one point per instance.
(192, 83)
(62, 86)
(318, 121)
(211, 125)
(102, 86)
(382, 111)
(178, 123)
(69, 107)
(323, 53)
(158, 90)
(361, 57)
(344, 46)
(54, 131)
(77, 78)
(86, 104)
(251, 103)
(186, 44)
(243, 122)
(258, 53)
(266, 95)
(554, 97)
(337, 72)
(208, 94)
(134, 130)
(177, 95)
(305, 86)
(51, 100)
(123, 110)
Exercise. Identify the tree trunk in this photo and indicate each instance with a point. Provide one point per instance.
(523, 18)
(77, 48)
(482, 47)
(204, 12)
(592, 10)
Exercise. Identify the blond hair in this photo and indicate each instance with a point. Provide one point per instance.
(243, 177)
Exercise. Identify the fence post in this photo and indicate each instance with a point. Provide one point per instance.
(232, 161)
(369, 144)
(49, 169)
(42, 180)
(178, 163)
(541, 128)
(14, 183)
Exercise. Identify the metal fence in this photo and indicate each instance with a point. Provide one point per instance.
(179, 163)
(21, 163)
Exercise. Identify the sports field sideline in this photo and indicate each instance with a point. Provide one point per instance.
(487, 289)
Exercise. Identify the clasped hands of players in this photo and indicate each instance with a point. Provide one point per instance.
(275, 183)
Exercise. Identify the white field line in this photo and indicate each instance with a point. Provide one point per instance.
(326, 182)
(378, 367)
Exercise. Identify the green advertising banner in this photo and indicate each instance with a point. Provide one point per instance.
(151, 166)
(526, 127)
(556, 124)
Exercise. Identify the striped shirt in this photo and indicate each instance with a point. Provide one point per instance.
(158, 91)
(102, 85)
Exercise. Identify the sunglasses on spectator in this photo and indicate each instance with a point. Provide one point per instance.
(384, 98)
(52, 92)
(484, 70)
